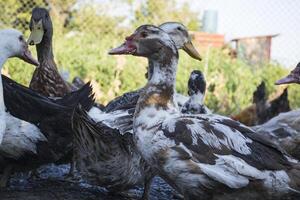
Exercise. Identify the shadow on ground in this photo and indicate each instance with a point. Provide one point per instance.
(52, 185)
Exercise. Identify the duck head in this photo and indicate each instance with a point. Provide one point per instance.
(196, 83)
(260, 94)
(179, 34)
(40, 26)
(293, 77)
(12, 44)
(147, 41)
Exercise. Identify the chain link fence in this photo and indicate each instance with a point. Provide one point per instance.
(84, 31)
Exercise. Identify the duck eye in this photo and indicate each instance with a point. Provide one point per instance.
(179, 28)
(144, 34)
(21, 38)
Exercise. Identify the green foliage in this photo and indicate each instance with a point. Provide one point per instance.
(160, 11)
(81, 48)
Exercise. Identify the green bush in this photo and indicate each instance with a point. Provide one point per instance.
(81, 47)
(231, 82)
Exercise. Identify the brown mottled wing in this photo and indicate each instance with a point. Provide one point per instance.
(47, 81)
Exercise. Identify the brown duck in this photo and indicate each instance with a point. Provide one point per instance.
(46, 78)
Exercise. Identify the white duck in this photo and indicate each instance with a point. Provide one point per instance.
(205, 156)
(12, 44)
(46, 135)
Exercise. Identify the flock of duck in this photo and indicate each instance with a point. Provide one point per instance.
(152, 131)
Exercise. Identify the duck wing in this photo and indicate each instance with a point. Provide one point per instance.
(104, 156)
(121, 120)
(283, 130)
(97, 134)
(126, 101)
(206, 136)
(20, 101)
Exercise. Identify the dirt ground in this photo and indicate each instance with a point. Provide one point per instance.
(52, 185)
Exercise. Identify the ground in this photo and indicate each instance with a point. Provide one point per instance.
(53, 186)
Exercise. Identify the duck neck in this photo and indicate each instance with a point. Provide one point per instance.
(197, 98)
(44, 51)
(150, 69)
(3, 59)
(160, 89)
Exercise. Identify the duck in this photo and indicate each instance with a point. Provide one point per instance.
(11, 46)
(284, 129)
(182, 39)
(267, 110)
(105, 154)
(263, 110)
(200, 155)
(196, 91)
(35, 130)
(46, 79)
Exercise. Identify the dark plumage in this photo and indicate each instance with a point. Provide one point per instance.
(51, 116)
(102, 150)
(46, 78)
(127, 100)
(196, 83)
(196, 91)
(263, 110)
(267, 110)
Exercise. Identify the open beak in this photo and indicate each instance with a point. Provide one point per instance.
(37, 33)
(191, 50)
(288, 79)
(126, 48)
(27, 57)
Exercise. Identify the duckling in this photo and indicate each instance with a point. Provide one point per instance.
(204, 155)
(45, 136)
(284, 129)
(105, 152)
(46, 79)
(196, 91)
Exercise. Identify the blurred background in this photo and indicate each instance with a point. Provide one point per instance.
(242, 42)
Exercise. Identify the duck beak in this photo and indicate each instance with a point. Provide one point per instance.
(37, 33)
(126, 48)
(288, 79)
(189, 48)
(27, 57)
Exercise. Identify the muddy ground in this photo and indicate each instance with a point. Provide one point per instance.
(52, 185)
